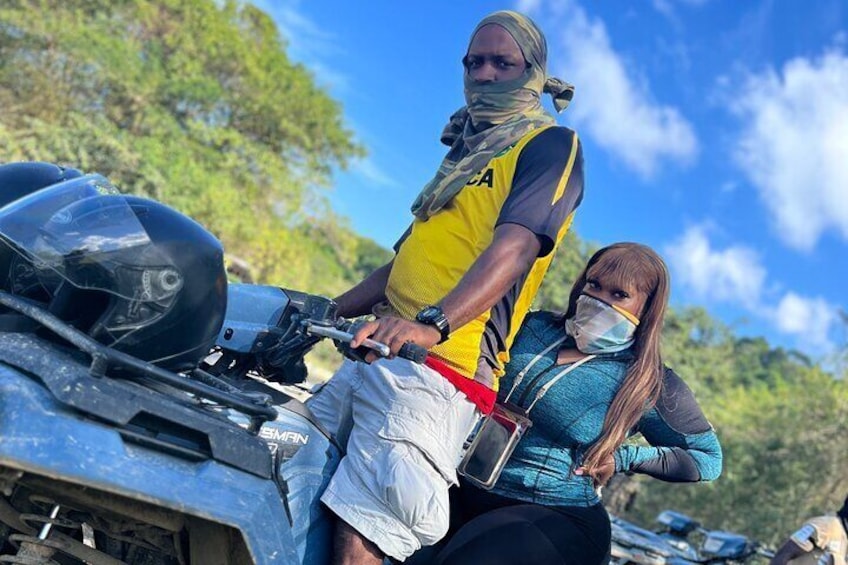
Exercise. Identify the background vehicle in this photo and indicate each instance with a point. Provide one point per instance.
(681, 540)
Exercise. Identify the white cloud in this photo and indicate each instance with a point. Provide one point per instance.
(372, 173)
(728, 186)
(732, 275)
(612, 103)
(736, 276)
(528, 6)
(669, 9)
(809, 319)
(794, 144)
(664, 7)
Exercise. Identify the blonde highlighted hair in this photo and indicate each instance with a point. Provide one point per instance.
(629, 265)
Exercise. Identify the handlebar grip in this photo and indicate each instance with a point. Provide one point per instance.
(413, 352)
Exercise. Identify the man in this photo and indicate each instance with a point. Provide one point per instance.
(822, 541)
(460, 283)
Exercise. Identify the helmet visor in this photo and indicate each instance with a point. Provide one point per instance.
(85, 232)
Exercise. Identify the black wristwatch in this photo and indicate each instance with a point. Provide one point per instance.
(434, 316)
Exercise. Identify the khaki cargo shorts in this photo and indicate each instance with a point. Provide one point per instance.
(403, 426)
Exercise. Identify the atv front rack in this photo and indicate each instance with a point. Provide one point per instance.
(134, 402)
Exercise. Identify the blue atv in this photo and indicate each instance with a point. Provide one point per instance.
(108, 459)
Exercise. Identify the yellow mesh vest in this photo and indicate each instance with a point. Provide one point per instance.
(438, 252)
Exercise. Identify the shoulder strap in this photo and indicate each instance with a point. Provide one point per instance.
(544, 389)
(521, 374)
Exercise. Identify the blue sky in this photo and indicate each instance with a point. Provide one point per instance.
(714, 131)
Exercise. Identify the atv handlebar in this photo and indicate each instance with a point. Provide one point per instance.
(409, 350)
(413, 352)
(346, 337)
(268, 330)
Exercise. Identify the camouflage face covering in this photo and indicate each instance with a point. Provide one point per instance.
(496, 115)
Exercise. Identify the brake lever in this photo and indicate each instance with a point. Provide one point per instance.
(346, 337)
(411, 351)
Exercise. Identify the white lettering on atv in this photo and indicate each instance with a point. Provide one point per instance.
(283, 436)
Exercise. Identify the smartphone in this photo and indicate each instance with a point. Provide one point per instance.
(493, 443)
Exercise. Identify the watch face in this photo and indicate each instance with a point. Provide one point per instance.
(430, 313)
(433, 316)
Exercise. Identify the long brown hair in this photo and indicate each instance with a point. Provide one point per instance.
(634, 265)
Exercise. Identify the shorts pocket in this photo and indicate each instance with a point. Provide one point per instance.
(416, 493)
(425, 434)
(429, 413)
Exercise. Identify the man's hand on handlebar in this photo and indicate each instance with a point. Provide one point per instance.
(395, 332)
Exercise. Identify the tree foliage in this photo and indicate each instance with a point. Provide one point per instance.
(192, 102)
(781, 420)
(570, 258)
(785, 455)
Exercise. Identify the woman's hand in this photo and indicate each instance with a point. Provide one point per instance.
(602, 474)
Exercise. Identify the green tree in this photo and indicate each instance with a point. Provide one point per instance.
(785, 452)
(192, 102)
(570, 258)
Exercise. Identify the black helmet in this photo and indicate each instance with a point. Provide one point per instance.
(19, 179)
(134, 274)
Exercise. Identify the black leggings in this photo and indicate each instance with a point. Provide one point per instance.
(498, 531)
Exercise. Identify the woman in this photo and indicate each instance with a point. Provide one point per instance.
(545, 507)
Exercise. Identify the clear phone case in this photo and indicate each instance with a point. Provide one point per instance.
(493, 443)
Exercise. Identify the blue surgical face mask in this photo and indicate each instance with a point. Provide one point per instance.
(598, 327)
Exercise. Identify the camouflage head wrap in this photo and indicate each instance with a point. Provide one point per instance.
(496, 115)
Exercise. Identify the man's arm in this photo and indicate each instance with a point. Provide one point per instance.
(511, 253)
(788, 551)
(805, 540)
(360, 299)
(684, 447)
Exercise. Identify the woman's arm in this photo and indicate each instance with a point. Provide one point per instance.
(684, 447)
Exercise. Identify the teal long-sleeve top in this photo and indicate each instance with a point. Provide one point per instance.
(569, 418)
